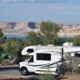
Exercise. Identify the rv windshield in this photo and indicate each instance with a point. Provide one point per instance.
(30, 59)
(27, 57)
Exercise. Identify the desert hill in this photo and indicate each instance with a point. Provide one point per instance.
(18, 28)
(21, 28)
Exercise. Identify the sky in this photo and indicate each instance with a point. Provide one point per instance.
(59, 11)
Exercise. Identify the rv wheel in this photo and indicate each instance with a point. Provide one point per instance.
(24, 71)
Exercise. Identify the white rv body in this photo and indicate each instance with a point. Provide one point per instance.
(52, 58)
(46, 58)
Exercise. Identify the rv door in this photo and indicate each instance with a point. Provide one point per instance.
(31, 64)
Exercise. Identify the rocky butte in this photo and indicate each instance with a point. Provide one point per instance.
(22, 28)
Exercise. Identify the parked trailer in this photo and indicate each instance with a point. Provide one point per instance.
(45, 58)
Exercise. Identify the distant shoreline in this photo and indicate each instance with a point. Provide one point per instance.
(22, 37)
(15, 34)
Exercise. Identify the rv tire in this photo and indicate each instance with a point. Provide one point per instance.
(24, 71)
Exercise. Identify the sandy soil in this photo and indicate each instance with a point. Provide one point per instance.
(66, 77)
(17, 78)
(71, 77)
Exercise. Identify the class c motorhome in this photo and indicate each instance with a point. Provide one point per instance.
(45, 58)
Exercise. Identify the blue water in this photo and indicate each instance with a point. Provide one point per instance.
(22, 37)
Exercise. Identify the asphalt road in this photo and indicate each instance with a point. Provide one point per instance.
(10, 72)
(13, 72)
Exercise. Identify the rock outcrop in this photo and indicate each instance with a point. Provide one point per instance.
(21, 28)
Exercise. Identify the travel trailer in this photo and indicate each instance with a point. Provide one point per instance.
(45, 58)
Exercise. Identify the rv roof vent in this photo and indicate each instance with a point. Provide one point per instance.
(68, 44)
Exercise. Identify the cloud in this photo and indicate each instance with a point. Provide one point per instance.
(33, 1)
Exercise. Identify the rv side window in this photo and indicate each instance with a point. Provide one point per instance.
(30, 50)
(44, 56)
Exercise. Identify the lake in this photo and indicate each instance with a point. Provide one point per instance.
(22, 37)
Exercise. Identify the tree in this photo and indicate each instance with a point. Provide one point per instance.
(50, 32)
(34, 38)
(47, 35)
(14, 46)
(76, 40)
(2, 38)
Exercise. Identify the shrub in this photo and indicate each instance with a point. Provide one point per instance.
(5, 62)
(47, 76)
(75, 63)
(72, 63)
(1, 60)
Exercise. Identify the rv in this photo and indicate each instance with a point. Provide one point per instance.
(45, 58)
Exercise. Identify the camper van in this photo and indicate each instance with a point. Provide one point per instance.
(41, 61)
(45, 59)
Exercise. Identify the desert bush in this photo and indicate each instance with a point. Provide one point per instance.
(62, 69)
(5, 62)
(47, 76)
(75, 63)
(1, 60)
(72, 64)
